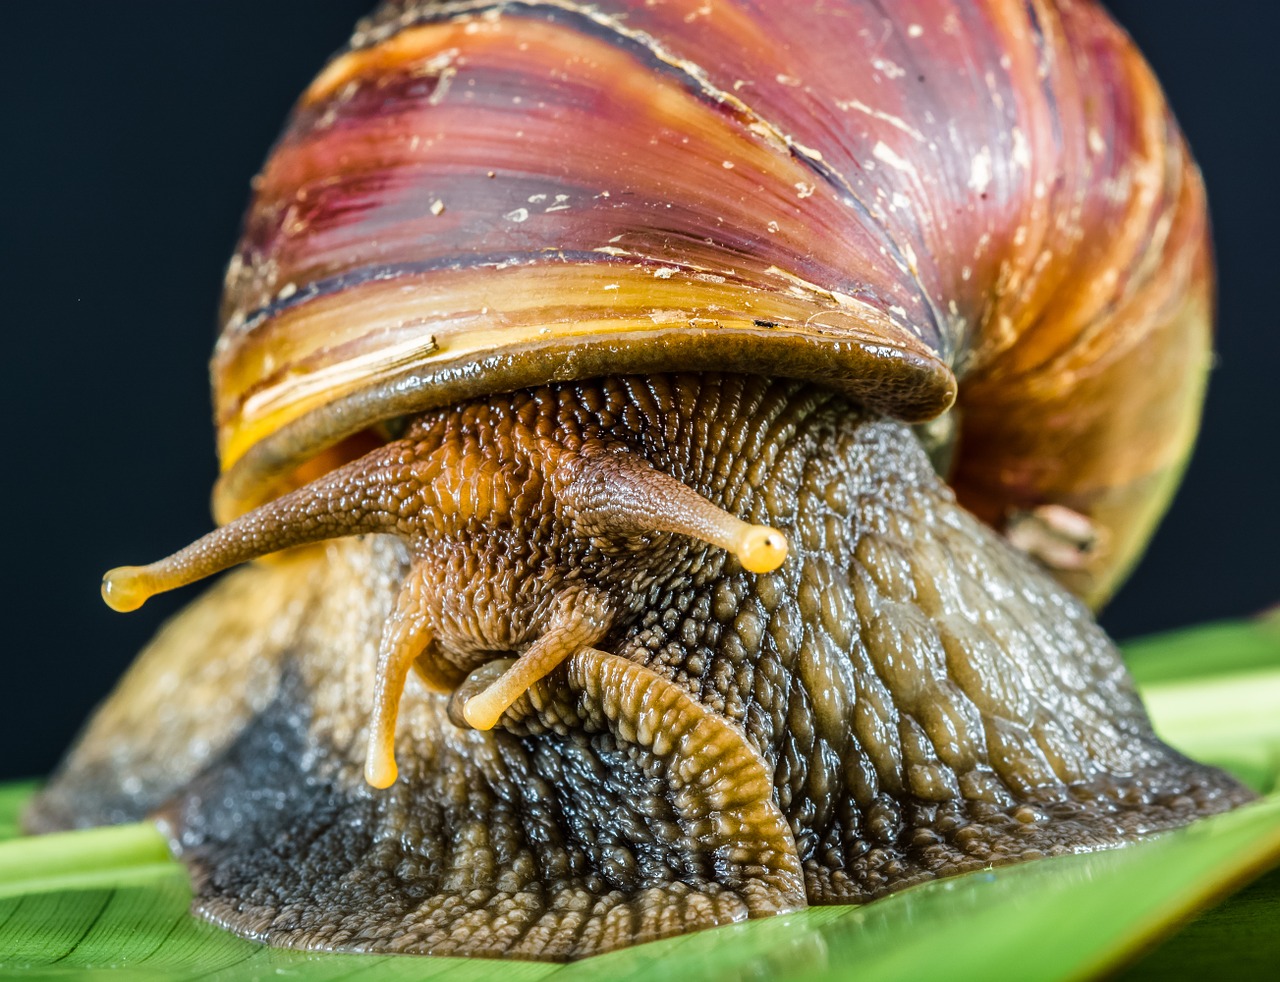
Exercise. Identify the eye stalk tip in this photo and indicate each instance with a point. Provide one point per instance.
(380, 772)
(482, 713)
(761, 549)
(125, 588)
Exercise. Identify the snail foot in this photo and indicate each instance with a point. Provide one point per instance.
(606, 808)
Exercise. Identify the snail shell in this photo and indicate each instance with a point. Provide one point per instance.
(880, 202)
(592, 307)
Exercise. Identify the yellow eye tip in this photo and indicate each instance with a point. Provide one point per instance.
(125, 588)
(381, 771)
(761, 549)
(483, 713)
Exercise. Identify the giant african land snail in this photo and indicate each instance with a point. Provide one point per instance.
(614, 315)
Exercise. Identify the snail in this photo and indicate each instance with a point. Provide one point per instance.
(684, 441)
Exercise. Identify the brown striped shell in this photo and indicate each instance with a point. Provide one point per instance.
(983, 202)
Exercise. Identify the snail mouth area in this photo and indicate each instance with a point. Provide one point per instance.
(904, 696)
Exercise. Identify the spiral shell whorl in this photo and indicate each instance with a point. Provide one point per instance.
(484, 196)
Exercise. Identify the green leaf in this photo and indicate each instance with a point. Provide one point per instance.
(1207, 651)
(11, 798)
(78, 860)
(1239, 934)
(1214, 693)
(108, 903)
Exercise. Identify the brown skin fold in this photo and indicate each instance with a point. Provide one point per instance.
(906, 697)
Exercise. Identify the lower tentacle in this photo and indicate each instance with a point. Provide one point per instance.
(404, 636)
(582, 618)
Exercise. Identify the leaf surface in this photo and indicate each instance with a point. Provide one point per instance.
(108, 903)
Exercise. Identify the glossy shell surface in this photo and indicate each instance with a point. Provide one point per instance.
(898, 200)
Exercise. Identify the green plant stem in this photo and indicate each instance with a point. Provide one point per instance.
(77, 860)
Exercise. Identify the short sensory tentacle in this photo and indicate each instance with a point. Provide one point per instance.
(405, 635)
(621, 494)
(581, 619)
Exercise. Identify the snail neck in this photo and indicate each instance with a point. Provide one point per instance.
(927, 696)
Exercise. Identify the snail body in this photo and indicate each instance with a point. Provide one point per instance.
(607, 327)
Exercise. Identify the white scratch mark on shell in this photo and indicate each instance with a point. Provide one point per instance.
(446, 78)
(889, 68)
(980, 170)
(884, 117)
(885, 153)
(1021, 149)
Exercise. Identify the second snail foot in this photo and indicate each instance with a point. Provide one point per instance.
(477, 850)
(565, 831)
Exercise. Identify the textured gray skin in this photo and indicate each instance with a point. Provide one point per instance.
(924, 698)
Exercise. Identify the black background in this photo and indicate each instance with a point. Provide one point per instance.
(130, 132)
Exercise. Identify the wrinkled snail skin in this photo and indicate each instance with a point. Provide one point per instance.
(594, 367)
(906, 696)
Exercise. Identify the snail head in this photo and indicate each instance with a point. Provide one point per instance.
(520, 541)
